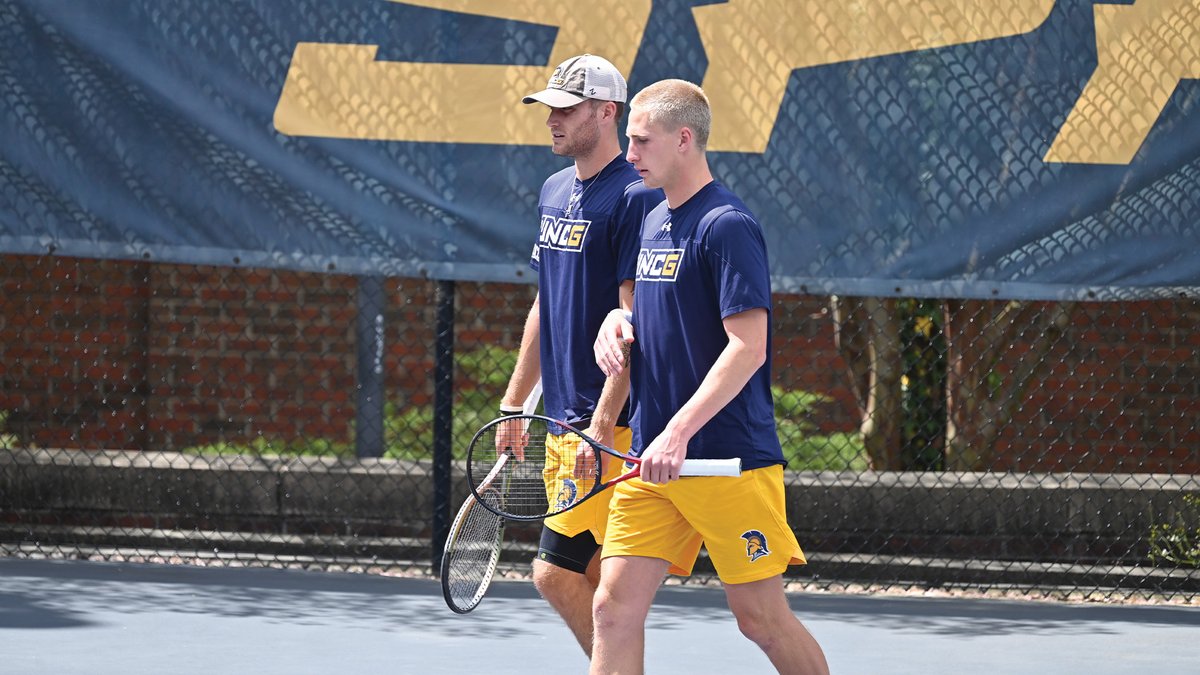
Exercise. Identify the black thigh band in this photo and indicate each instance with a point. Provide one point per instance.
(569, 553)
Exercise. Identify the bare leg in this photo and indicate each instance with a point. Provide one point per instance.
(570, 594)
(627, 588)
(763, 615)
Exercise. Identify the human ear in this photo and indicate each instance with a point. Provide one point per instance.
(685, 137)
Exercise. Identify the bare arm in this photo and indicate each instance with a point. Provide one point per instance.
(737, 363)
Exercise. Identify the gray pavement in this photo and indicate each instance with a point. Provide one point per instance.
(89, 617)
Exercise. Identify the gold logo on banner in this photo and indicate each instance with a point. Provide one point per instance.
(752, 46)
(341, 91)
(1143, 51)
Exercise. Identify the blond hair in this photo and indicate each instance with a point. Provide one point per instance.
(674, 104)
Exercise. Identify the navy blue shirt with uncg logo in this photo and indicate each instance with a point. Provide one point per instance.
(699, 263)
(587, 245)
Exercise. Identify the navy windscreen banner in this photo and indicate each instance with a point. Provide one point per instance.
(1028, 149)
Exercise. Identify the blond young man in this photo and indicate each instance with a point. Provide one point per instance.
(700, 388)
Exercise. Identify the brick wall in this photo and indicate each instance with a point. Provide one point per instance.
(1119, 393)
(118, 355)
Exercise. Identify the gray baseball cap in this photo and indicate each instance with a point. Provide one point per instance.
(579, 78)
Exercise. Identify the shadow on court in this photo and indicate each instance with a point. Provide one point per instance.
(89, 617)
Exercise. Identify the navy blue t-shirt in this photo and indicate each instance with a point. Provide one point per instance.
(587, 245)
(699, 263)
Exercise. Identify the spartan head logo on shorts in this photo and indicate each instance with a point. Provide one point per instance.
(566, 494)
(756, 544)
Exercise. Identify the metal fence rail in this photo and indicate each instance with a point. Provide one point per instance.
(242, 416)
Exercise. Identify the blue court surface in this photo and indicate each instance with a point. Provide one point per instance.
(91, 617)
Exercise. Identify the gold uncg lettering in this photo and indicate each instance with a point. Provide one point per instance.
(670, 265)
(754, 45)
(575, 240)
(341, 91)
(1142, 52)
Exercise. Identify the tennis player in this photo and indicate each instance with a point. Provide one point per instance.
(701, 326)
(590, 222)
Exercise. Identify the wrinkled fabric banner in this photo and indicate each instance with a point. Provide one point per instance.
(957, 148)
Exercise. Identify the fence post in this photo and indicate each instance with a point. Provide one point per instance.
(443, 411)
(368, 425)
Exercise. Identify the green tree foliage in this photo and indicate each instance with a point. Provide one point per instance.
(481, 376)
(7, 439)
(804, 448)
(923, 385)
(1176, 545)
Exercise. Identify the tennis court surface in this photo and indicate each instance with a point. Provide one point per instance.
(93, 617)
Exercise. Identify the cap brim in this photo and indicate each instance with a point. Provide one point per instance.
(555, 98)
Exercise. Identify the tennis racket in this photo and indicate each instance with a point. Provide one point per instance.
(549, 467)
(476, 537)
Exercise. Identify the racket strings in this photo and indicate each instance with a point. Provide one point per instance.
(472, 553)
(553, 473)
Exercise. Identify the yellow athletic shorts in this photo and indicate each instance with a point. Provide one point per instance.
(591, 515)
(741, 520)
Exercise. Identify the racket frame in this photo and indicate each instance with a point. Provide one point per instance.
(468, 508)
(691, 467)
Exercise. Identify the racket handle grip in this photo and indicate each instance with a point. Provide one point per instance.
(711, 467)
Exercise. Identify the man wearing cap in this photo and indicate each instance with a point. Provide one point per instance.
(585, 258)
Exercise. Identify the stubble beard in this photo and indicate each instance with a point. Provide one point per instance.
(587, 137)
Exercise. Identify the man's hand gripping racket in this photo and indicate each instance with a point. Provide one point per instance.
(553, 467)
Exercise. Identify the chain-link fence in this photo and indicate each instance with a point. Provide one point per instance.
(240, 416)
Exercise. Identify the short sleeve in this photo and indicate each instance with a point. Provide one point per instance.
(636, 203)
(737, 259)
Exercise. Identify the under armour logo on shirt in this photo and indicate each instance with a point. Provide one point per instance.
(666, 227)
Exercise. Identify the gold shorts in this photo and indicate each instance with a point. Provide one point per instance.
(741, 520)
(592, 515)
